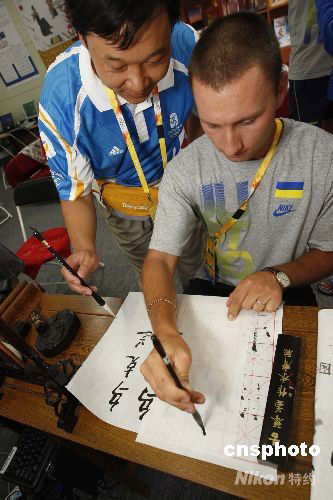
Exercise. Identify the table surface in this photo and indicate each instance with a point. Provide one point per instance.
(29, 407)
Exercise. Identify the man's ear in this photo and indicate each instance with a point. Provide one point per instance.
(83, 40)
(283, 88)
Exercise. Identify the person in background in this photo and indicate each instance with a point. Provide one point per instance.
(310, 67)
(325, 23)
(45, 27)
(52, 9)
(262, 187)
(113, 109)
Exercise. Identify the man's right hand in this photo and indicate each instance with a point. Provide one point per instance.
(156, 374)
(84, 263)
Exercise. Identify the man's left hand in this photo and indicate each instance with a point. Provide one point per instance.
(259, 291)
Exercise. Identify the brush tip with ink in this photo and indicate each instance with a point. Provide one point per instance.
(198, 419)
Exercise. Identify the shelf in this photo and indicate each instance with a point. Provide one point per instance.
(218, 6)
(278, 6)
(201, 8)
(261, 11)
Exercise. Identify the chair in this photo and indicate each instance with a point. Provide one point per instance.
(28, 163)
(8, 214)
(34, 191)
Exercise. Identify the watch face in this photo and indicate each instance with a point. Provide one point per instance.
(283, 279)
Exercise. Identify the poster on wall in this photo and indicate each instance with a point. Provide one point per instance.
(46, 22)
(16, 64)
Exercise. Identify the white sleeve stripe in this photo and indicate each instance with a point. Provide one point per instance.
(62, 57)
(47, 121)
(77, 188)
(181, 137)
(77, 117)
(179, 66)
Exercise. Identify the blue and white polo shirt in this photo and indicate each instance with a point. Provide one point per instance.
(80, 132)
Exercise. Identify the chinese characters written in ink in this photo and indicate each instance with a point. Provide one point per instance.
(131, 366)
(117, 394)
(325, 368)
(145, 398)
(144, 335)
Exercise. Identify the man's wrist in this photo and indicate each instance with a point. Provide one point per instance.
(281, 277)
(159, 301)
(166, 332)
(91, 249)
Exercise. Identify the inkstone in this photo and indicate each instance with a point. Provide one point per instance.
(61, 330)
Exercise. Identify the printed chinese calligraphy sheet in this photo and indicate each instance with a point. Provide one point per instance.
(323, 437)
(232, 365)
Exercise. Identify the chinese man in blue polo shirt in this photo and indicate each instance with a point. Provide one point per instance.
(112, 114)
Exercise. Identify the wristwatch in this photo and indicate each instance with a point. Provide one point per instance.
(280, 277)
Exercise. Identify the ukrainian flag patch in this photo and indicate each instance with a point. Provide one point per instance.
(289, 190)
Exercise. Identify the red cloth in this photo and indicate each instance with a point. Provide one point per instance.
(22, 167)
(34, 254)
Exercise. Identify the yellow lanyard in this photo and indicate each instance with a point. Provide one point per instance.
(127, 137)
(213, 239)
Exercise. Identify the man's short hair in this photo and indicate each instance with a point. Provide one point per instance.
(232, 45)
(117, 20)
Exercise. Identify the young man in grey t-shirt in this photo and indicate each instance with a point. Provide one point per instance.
(283, 241)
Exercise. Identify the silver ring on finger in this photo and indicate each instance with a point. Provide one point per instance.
(260, 302)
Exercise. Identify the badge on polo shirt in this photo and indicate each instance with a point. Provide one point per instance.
(289, 190)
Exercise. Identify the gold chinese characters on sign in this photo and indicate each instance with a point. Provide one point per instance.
(284, 391)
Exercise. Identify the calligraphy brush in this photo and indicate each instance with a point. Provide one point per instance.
(166, 360)
(95, 295)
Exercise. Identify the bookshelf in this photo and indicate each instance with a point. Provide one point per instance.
(200, 13)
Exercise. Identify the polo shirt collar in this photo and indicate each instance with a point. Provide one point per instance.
(95, 88)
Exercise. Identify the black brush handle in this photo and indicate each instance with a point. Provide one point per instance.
(165, 358)
(39, 237)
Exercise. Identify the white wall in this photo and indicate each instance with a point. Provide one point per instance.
(11, 100)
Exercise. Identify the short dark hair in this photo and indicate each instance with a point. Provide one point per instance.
(117, 20)
(233, 44)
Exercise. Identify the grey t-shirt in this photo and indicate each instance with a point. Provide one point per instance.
(308, 58)
(291, 210)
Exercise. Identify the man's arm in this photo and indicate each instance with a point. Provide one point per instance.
(309, 267)
(158, 275)
(262, 285)
(158, 282)
(80, 220)
(325, 22)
